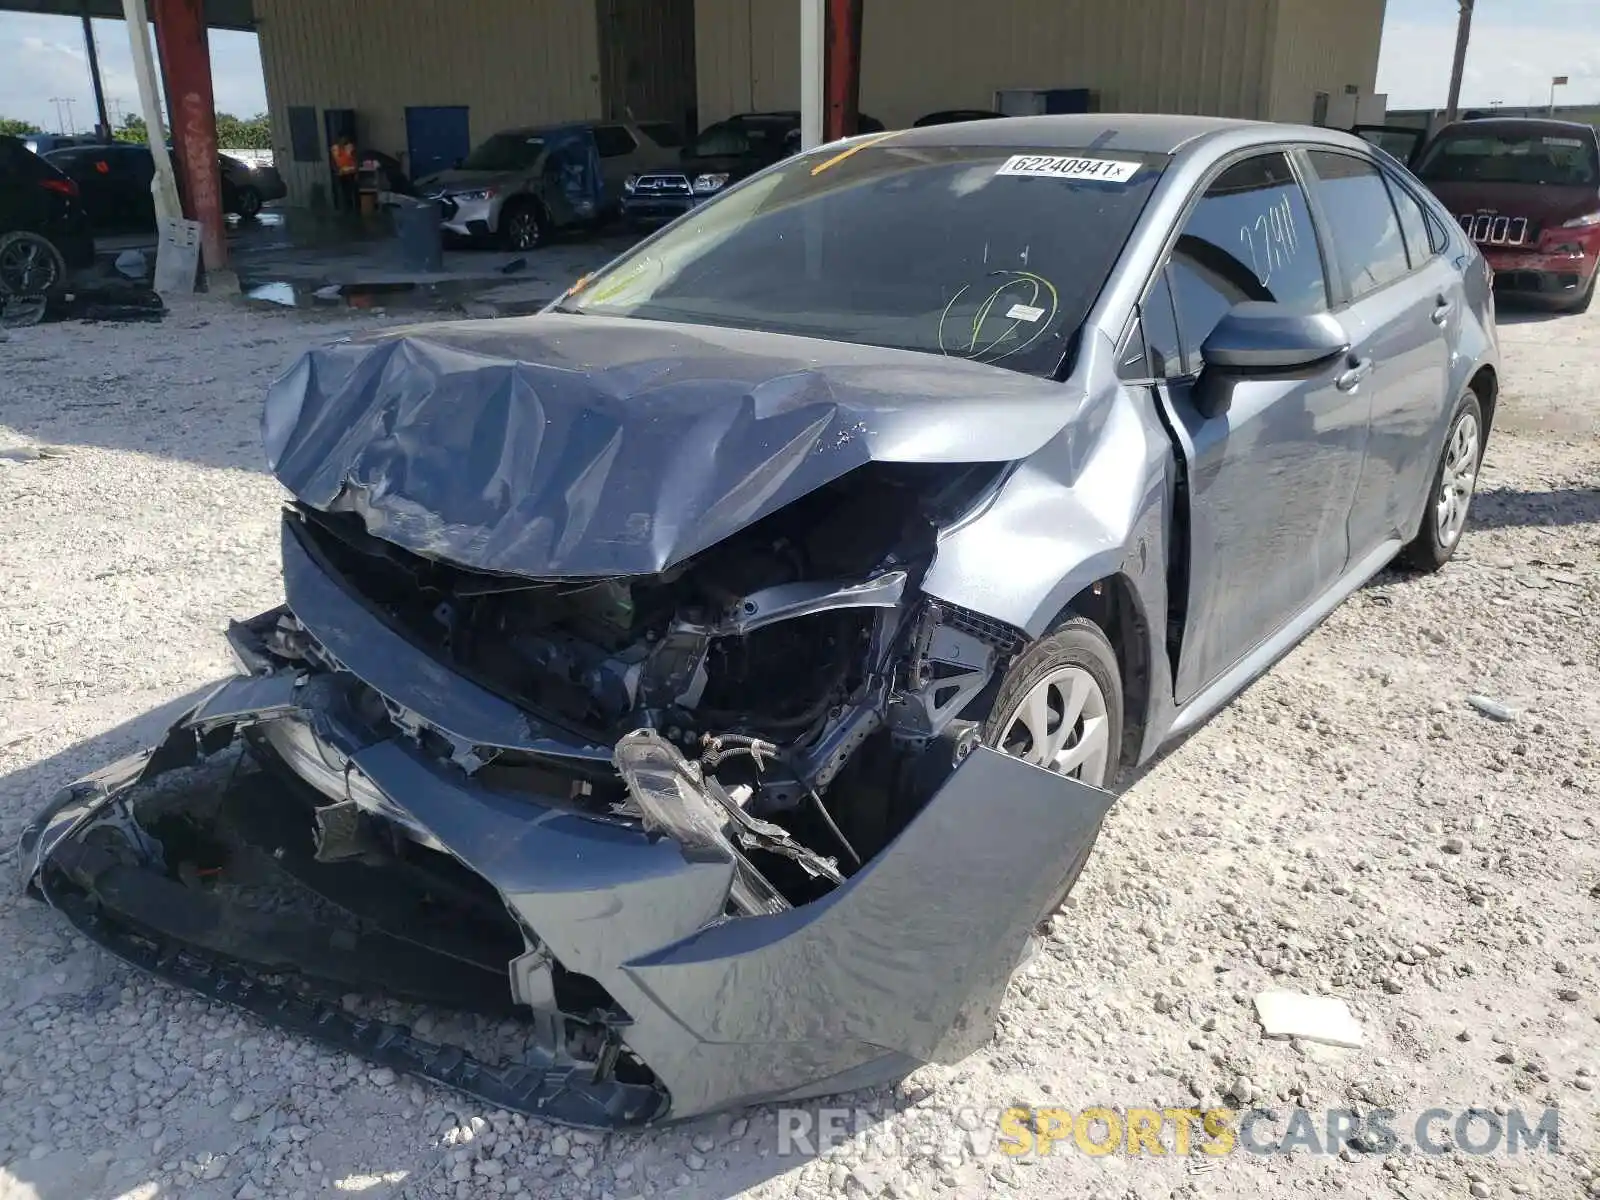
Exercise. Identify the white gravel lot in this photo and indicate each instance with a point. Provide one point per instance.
(1350, 826)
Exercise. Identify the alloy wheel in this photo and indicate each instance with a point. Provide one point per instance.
(28, 267)
(1457, 479)
(524, 223)
(1061, 725)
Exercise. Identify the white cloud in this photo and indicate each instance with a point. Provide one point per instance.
(1508, 62)
(44, 57)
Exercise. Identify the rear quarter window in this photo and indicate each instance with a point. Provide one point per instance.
(663, 133)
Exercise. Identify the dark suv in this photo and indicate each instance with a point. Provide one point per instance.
(718, 158)
(1527, 191)
(44, 231)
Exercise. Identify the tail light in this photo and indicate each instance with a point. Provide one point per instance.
(65, 186)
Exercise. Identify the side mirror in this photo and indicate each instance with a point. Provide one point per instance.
(1259, 338)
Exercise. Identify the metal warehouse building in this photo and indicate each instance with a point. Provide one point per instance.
(425, 79)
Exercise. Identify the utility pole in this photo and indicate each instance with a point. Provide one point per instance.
(61, 121)
(1463, 32)
(94, 73)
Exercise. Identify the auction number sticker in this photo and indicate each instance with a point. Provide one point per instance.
(1062, 166)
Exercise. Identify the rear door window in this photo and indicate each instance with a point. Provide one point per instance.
(1367, 242)
(1249, 238)
(613, 141)
(1414, 225)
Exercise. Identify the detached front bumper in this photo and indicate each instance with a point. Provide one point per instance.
(646, 998)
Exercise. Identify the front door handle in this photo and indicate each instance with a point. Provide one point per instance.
(1441, 312)
(1349, 380)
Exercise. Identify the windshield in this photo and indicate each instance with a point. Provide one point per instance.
(504, 152)
(975, 252)
(731, 138)
(1472, 156)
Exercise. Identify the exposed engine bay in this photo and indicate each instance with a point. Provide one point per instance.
(775, 658)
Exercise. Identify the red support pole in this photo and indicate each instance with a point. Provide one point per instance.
(841, 95)
(186, 68)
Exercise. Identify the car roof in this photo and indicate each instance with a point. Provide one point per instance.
(561, 126)
(1138, 133)
(1522, 125)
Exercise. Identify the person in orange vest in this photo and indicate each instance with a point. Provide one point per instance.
(345, 174)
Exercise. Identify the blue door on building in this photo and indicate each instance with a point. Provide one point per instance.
(436, 138)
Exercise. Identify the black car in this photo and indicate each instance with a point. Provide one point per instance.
(952, 116)
(720, 156)
(115, 180)
(44, 231)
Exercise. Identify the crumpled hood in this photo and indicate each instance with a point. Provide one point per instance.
(571, 446)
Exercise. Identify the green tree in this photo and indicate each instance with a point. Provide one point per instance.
(234, 133)
(16, 128)
(132, 130)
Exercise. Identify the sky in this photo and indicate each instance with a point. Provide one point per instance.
(42, 58)
(1517, 46)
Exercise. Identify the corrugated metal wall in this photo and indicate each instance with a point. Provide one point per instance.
(1205, 56)
(525, 61)
(1145, 56)
(746, 55)
(513, 62)
(1324, 47)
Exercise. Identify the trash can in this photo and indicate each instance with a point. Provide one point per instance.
(416, 227)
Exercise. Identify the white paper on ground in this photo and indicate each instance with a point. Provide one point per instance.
(1312, 1018)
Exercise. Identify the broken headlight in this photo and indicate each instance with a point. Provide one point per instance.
(674, 797)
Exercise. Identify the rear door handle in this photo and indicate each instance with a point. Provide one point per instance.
(1348, 381)
(1441, 312)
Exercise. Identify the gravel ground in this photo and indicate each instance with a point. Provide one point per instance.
(1351, 826)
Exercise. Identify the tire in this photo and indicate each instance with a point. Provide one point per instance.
(247, 203)
(30, 265)
(1459, 461)
(1076, 650)
(522, 226)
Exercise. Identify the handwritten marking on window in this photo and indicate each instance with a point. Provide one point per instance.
(1271, 240)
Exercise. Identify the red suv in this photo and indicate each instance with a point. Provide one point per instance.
(1527, 191)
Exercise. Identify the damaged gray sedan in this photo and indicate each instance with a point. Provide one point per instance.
(715, 679)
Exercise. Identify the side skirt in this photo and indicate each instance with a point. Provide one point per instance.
(1256, 663)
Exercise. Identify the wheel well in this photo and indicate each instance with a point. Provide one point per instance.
(1110, 603)
(523, 201)
(1486, 385)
